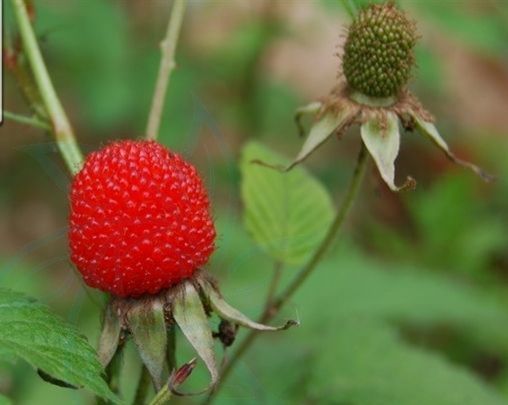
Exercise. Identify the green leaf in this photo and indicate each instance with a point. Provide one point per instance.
(287, 214)
(362, 287)
(367, 363)
(28, 330)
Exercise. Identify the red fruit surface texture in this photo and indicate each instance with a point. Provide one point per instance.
(140, 219)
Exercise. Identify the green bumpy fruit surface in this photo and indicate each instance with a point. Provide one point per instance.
(378, 54)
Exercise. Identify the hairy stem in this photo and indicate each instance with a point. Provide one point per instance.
(305, 272)
(166, 67)
(62, 129)
(162, 397)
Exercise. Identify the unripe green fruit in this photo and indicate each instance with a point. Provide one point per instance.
(378, 54)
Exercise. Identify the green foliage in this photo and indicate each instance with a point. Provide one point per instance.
(4, 400)
(348, 348)
(72, 35)
(366, 363)
(486, 33)
(455, 230)
(287, 214)
(405, 293)
(30, 332)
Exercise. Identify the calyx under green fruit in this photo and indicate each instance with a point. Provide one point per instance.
(378, 54)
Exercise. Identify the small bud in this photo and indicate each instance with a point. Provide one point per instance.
(179, 376)
(378, 54)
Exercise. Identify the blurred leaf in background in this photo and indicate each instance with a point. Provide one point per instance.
(288, 214)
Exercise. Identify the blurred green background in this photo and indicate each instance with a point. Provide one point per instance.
(411, 307)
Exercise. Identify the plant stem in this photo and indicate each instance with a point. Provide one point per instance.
(277, 272)
(304, 273)
(142, 388)
(344, 209)
(23, 119)
(62, 129)
(162, 397)
(166, 67)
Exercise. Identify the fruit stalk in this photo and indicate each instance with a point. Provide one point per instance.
(166, 67)
(306, 271)
(61, 126)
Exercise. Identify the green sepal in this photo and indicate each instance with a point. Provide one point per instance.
(148, 327)
(190, 315)
(226, 311)
(110, 335)
(311, 108)
(429, 130)
(332, 122)
(381, 137)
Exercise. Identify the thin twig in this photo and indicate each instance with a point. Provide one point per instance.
(25, 81)
(304, 273)
(277, 272)
(167, 64)
(163, 396)
(23, 119)
(62, 129)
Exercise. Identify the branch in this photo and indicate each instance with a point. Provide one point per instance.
(166, 67)
(23, 119)
(62, 129)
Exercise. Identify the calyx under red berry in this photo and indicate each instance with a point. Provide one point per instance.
(378, 54)
(140, 219)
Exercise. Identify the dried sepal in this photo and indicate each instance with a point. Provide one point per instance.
(428, 129)
(190, 316)
(110, 335)
(311, 108)
(329, 123)
(226, 311)
(148, 327)
(381, 137)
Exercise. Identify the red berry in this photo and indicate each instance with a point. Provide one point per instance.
(140, 219)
